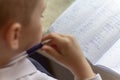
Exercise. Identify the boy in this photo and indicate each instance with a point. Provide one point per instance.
(20, 29)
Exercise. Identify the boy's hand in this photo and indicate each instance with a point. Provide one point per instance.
(66, 51)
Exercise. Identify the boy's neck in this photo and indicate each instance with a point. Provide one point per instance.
(3, 62)
(5, 59)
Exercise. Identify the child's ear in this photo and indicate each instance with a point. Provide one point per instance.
(13, 35)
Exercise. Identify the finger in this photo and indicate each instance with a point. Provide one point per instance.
(54, 46)
(65, 35)
(51, 51)
(54, 37)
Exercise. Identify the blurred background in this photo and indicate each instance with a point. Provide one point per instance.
(53, 10)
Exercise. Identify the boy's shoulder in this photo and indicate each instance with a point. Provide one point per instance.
(22, 69)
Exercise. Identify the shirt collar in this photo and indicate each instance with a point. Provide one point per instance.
(17, 70)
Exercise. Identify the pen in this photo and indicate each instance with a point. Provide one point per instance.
(33, 49)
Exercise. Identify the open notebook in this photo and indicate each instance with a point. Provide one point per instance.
(96, 25)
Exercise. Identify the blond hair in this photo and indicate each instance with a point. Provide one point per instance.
(16, 10)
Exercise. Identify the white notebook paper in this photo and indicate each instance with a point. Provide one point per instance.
(96, 25)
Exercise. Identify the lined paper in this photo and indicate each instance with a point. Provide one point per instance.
(95, 24)
(111, 58)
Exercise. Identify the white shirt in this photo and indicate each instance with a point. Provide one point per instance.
(23, 70)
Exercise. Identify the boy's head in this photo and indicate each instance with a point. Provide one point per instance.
(20, 25)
